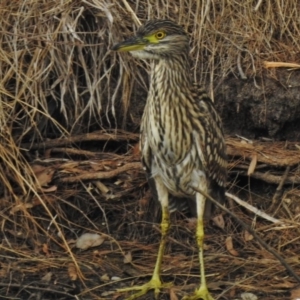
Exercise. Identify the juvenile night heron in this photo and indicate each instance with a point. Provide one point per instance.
(182, 142)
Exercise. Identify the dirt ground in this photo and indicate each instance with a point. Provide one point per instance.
(35, 265)
(268, 106)
(66, 171)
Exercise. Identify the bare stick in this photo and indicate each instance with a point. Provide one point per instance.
(38, 288)
(94, 136)
(102, 175)
(257, 5)
(278, 191)
(255, 210)
(249, 229)
(270, 178)
(239, 65)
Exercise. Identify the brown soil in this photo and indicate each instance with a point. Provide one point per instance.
(264, 107)
(59, 81)
(37, 265)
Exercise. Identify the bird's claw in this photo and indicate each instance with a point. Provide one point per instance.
(154, 284)
(201, 293)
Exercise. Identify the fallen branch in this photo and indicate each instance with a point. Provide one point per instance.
(255, 210)
(269, 178)
(275, 64)
(276, 179)
(94, 136)
(40, 289)
(102, 175)
(278, 191)
(73, 151)
(249, 229)
(277, 154)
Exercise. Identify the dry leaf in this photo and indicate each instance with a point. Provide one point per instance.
(88, 240)
(229, 246)
(46, 199)
(3, 272)
(191, 223)
(295, 294)
(115, 278)
(71, 242)
(136, 150)
(127, 258)
(101, 187)
(248, 236)
(37, 168)
(104, 278)
(119, 182)
(47, 277)
(252, 165)
(97, 167)
(22, 206)
(72, 271)
(173, 296)
(219, 221)
(248, 296)
(232, 293)
(45, 249)
(50, 189)
(43, 174)
(143, 203)
(109, 295)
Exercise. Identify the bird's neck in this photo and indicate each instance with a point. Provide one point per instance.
(168, 100)
(169, 75)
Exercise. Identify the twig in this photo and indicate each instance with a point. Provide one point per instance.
(253, 209)
(278, 191)
(240, 69)
(74, 151)
(94, 136)
(269, 178)
(277, 154)
(244, 139)
(102, 175)
(39, 288)
(276, 179)
(134, 16)
(257, 5)
(249, 229)
(274, 64)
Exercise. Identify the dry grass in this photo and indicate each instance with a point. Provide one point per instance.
(106, 193)
(58, 80)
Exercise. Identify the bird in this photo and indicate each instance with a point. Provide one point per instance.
(182, 141)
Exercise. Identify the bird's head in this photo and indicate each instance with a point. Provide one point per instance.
(157, 39)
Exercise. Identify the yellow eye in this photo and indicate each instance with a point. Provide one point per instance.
(160, 35)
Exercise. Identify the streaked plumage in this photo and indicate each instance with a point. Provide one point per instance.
(182, 141)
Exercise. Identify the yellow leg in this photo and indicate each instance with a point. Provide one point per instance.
(155, 282)
(202, 292)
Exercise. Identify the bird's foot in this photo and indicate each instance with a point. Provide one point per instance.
(201, 293)
(154, 284)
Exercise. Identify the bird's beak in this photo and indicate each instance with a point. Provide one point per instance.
(132, 44)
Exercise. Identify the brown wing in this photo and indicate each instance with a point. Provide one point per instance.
(211, 139)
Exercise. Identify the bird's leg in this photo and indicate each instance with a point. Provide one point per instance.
(202, 292)
(155, 282)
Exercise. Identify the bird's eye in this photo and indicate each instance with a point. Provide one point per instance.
(160, 35)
